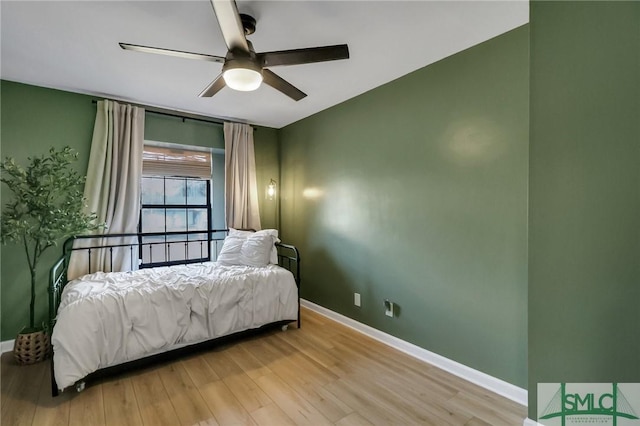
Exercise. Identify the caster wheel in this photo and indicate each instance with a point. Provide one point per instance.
(80, 386)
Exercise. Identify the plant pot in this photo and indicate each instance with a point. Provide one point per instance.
(31, 347)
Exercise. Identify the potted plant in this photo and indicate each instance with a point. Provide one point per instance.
(48, 206)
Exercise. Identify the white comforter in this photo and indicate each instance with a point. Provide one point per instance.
(106, 319)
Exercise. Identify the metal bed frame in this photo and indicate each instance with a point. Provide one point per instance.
(288, 258)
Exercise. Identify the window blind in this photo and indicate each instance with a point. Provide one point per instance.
(163, 161)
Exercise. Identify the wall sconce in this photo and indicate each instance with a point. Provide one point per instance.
(271, 190)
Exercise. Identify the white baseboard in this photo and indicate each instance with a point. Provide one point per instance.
(479, 378)
(529, 422)
(6, 346)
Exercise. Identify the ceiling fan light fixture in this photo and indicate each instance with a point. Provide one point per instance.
(243, 79)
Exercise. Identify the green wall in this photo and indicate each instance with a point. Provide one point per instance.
(584, 227)
(32, 120)
(417, 192)
(267, 168)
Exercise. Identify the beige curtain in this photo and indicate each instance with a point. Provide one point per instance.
(112, 187)
(241, 191)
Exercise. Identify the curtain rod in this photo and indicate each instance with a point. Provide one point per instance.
(184, 115)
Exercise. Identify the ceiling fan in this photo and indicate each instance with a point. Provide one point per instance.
(244, 69)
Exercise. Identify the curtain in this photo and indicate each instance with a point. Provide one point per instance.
(241, 191)
(112, 188)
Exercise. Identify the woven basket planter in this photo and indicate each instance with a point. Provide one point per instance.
(30, 348)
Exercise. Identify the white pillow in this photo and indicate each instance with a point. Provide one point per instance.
(239, 233)
(256, 250)
(271, 232)
(230, 251)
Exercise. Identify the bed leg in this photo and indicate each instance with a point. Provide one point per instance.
(54, 385)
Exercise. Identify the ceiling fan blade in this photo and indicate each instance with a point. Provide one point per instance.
(282, 85)
(214, 87)
(171, 52)
(229, 20)
(304, 56)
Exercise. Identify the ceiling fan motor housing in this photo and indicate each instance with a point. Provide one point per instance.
(248, 23)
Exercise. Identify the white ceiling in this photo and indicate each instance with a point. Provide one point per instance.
(73, 45)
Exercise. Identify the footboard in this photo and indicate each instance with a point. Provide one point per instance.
(289, 258)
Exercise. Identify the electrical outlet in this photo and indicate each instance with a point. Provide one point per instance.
(356, 299)
(389, 308)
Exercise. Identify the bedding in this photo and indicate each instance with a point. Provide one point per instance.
(105, 319)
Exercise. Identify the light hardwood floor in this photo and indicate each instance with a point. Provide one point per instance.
(321, 374)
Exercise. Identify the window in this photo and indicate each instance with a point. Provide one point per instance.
(176, 204)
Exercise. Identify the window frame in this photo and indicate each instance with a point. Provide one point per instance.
(167, 262)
